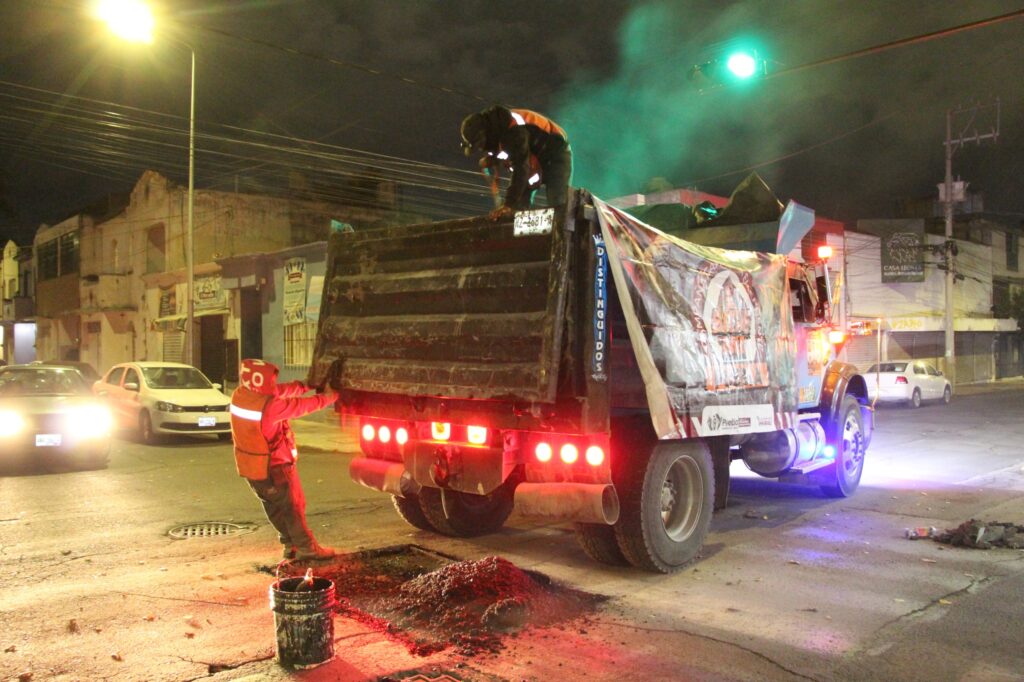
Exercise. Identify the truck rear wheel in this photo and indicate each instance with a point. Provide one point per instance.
(667, 502)
(599, 543)
(408, 508)
(464, 515)
(848, 438)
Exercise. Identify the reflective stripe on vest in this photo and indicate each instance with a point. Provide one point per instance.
(252, 451)
(522, 117)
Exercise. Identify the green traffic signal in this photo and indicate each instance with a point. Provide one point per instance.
(742, 64)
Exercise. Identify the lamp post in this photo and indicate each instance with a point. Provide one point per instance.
(133, 20)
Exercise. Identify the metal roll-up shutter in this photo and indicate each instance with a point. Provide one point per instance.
(173, 343)
(862, 351)
(916, 345)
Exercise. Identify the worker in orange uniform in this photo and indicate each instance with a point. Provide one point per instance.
(265, 452)
(532, 146)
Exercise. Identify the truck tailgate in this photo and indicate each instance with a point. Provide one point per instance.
(457, 309)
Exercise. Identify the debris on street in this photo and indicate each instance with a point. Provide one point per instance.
(430, 602)
(983, 535)
(920, 533)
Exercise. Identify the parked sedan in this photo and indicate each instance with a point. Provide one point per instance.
(158, 398)
(48, 413)
(908, 382)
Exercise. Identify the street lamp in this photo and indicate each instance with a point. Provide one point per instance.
(133, 20)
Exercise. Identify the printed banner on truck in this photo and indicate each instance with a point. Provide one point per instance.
(711, 330)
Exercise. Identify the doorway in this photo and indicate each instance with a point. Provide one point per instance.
(211, 346)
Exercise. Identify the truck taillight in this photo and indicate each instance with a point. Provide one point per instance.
(384, 433)
(440, 430)
(569, 453)
(836, 337)
(824, 252)
(542, 452)
(477, 435)
(401, 435)
(367, 432)
(595, 456)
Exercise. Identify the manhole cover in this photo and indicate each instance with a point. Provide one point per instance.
(210, 529)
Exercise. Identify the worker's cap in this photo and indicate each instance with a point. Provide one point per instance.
(257, 375)
(474, 134)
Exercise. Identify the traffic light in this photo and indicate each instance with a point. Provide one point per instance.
(733, 67)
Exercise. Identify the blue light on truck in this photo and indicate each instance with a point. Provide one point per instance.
(829, 452)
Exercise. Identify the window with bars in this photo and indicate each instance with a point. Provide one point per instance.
(298, 344)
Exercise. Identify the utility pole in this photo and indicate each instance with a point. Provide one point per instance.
(968, 133)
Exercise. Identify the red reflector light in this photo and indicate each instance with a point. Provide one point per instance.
(368, 432)
(902, 380)
(543, 452)
(384, 433)
(440, 430)
(401, 435)
(569, 453)
(594, 456)
(477, 435)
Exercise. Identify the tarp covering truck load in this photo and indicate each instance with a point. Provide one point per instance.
(579, 365)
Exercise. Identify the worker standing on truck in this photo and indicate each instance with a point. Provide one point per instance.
(265, 452)
(533, 147)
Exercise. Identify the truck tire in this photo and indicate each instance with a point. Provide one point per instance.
(467, 514)
(848, 438)
(408, 508)
(600, 544)
(667, 502)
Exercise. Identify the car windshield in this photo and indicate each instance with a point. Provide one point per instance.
(888, 367)
(27, 381)
(175, 377)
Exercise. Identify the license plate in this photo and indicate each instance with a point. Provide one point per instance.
(47, 440)
(533, 222)
(207, 421)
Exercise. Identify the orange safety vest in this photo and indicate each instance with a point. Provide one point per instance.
(523, 117)
(252, 451)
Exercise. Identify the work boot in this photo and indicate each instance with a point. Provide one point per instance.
(315, 552)
(289, 552)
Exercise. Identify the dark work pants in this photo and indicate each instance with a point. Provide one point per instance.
(285, 506)
(557, 173)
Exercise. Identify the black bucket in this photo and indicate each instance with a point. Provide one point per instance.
(304, 621)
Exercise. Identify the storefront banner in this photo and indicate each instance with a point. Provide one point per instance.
(209, 295)
(294, 291)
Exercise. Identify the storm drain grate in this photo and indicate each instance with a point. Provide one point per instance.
(210, 529)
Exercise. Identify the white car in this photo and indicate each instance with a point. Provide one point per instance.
(909, 381)
(156, 398)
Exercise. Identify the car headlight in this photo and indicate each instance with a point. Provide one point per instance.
(11, 423)
(168, 407)
(90, 422)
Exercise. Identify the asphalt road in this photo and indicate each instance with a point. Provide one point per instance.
(791, 585)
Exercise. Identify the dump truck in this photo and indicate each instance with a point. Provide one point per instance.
(577, 365)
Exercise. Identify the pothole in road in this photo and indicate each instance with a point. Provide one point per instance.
(210, 529)
(431, 602)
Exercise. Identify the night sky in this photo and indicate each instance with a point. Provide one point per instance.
(327, 88)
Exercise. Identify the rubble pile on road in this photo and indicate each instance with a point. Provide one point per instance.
(983, 535)
(469, 605)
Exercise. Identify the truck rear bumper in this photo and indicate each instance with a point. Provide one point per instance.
(583, 502)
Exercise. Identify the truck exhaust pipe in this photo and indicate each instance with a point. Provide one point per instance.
(584, 502)
(381, 474)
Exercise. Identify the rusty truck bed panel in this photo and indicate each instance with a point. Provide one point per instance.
(458, 309)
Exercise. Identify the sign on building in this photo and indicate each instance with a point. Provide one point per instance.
(294, 291)
(902, 246)
(209, 295)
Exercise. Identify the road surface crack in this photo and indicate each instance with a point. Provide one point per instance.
(684, 631)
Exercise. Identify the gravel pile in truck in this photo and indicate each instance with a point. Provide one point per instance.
(579, 365)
